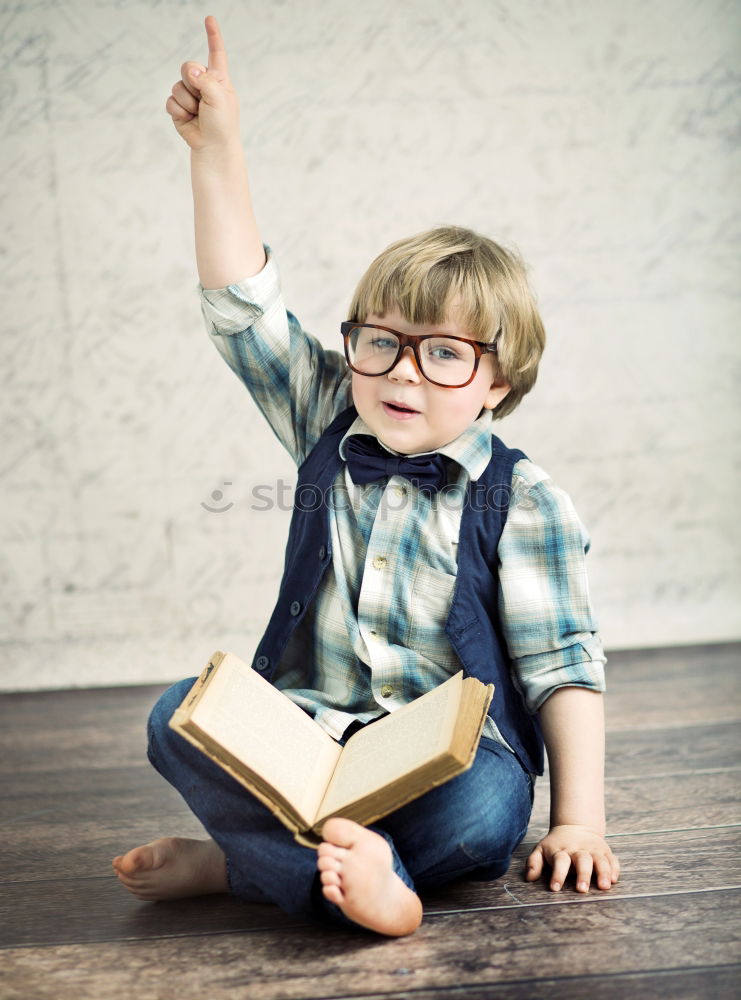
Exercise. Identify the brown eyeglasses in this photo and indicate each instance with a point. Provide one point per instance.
(450, 362)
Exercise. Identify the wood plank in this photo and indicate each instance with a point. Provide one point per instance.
(54, 787)
(683, 802)
(670, 751)
(90, 728)
(650, 753)
(652, 804)
(44, 848)
(130, 804)
(688, 664)
(716, 983)
(656, 864)
(76, 833)
(73, 910)
(85, 708)
(44, 763)
(86, 792)
(68, 831)
(41, 813)
(67, 911)
(677, 686)
(670, 933)
(98, 728)
(674, 687)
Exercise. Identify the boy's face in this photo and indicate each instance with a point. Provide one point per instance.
(427, 416)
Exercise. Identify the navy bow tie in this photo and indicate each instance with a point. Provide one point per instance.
(368, 461)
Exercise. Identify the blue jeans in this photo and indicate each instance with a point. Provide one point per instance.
(467, 827)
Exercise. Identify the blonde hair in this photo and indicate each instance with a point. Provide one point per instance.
(449, 269)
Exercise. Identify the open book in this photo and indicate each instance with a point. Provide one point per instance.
(302, 775)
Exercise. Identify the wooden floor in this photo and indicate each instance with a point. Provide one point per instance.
(77, 790)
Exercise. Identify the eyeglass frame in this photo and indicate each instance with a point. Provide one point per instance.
(480, 348)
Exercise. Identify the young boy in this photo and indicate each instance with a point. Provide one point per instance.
(437, 548)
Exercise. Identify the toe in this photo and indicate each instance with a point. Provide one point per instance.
(133, 863)
(126, 865)
(330, 878)
(139, 860)
(333, 893)
(340, 832)
(327, 850)
(327, 863)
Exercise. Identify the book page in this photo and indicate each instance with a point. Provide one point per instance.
(394, 746)
(259, 725)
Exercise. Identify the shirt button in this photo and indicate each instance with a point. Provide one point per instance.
(295, 608)
(379, 562)
(386, 691)
(400, 491)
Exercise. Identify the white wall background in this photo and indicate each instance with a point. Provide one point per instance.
(601, 138)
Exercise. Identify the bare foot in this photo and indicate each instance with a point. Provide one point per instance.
(357, 875)
(173, 868)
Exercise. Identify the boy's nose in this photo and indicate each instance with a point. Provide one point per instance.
(406, 369)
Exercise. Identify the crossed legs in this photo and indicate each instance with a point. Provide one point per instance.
(469, 826)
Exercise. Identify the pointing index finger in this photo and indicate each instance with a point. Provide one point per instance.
(216, 52)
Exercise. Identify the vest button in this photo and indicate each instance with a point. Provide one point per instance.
(295, 608)
(262, 663)
(322, 551)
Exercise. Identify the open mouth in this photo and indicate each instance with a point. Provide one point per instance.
(400, 408)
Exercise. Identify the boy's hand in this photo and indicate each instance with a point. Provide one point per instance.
(577, 846)
(203, 106)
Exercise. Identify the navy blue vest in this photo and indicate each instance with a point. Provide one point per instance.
(472, 627)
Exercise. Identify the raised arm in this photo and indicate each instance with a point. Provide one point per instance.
(205, 111)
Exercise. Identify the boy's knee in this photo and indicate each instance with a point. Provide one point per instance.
(488, 825)
(491, 839)
(158, 729)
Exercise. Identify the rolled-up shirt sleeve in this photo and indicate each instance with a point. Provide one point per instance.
(544, 603)
(298, 385)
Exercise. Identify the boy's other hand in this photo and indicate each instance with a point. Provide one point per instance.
(203, 106)
(579, 847)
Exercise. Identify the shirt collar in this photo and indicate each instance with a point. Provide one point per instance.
(471, 449)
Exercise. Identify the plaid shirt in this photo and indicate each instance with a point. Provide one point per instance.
(376, 629)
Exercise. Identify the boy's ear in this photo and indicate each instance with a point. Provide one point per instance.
(497, 391)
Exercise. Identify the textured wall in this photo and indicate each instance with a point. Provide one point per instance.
(601, 138)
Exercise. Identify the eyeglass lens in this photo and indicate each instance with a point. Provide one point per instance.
(442, 359)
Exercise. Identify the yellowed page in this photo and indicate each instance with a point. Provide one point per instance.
(396, 745)
(259, 725)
